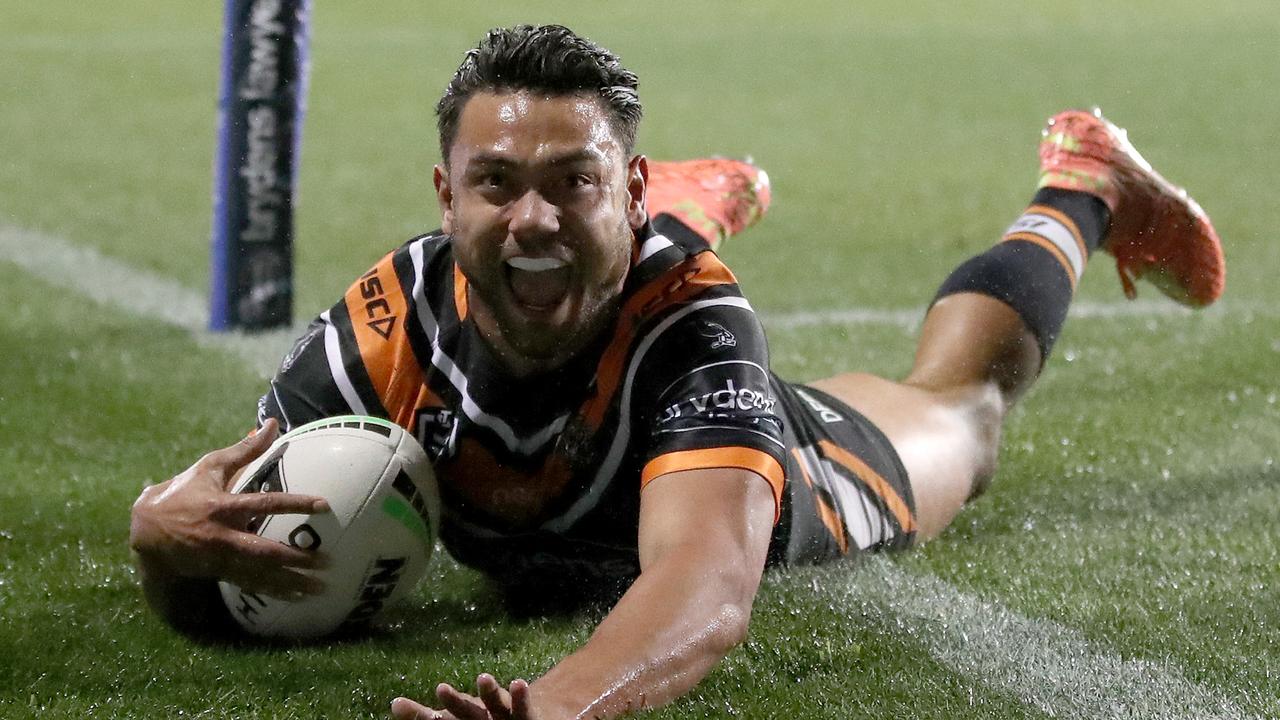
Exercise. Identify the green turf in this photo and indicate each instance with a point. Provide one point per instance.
(1138, 492)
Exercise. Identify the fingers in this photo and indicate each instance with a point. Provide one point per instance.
(234, 457)
(521, 704)
(270, 568)
(403, 708)
(256, 550)
(495, 698)
(462, 705)
(494, 703)
(287, 585)
(237, 509)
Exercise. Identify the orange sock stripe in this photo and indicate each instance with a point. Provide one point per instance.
(1047, 245)
(881, 487)
(1065, 220)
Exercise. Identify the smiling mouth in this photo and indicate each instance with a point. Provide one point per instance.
(538, 283)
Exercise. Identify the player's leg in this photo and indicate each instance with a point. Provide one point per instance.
(714, 197)
(985, 339)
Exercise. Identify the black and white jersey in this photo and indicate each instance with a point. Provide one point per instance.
(544, 473)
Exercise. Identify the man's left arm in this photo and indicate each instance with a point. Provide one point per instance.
(704, 535)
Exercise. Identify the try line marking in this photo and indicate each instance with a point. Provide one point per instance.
(1046, 665)
(910, 318)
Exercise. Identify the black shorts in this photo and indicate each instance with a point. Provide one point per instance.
(847, 490)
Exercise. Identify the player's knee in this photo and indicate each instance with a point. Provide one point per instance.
(986, 412)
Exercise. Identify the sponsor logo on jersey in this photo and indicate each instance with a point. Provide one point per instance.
(437, 431)
(380, 318)
(721, 337)
(827, 414)
(728, 400)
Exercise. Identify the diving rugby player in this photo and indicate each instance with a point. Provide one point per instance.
(595, 391)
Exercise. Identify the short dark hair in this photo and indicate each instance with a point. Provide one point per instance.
(544, 58)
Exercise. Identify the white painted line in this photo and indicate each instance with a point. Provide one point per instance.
(910, 318)
(108, 281)
(1046, 665)
(1050, 667)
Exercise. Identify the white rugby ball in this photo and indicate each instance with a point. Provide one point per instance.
(379, 533)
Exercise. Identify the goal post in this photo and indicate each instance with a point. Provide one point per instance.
(261, 104)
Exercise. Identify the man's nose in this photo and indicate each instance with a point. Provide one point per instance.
(532, 215)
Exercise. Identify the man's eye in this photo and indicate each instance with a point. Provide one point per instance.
(492, 180)
(577, 181)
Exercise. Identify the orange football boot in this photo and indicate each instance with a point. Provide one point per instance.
(1158, 233)
(716, 197)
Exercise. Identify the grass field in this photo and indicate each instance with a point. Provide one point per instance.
(1124, 565)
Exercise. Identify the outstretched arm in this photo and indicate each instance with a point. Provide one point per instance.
(703, 539)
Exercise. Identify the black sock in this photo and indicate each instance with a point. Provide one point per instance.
(1036, 266)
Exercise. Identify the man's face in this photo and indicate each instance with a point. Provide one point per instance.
(541, 202)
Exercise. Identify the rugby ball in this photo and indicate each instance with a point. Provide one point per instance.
(379, 533)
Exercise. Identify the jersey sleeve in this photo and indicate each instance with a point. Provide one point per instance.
(303, 389)
(709, 398)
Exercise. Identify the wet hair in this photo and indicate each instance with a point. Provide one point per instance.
(548, 59)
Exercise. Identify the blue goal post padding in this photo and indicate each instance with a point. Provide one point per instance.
(261, 106)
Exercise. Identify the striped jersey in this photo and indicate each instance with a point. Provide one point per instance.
(541, 476)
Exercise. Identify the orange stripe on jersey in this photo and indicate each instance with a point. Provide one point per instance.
(892, 500)
(827, 514)
(1063, 218)
(1047, 245)
(758, 462)
(378, 309)
(677, 285)
(459, 292)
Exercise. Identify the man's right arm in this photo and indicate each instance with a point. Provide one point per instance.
(188, 532)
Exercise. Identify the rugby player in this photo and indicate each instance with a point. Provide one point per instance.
(595, 391)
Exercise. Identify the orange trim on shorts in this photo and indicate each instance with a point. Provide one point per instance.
(827, 514)
(378, 309)
(758, 462)
(892, 500)
(1047, 245)
(459, 292)
(1066, 220)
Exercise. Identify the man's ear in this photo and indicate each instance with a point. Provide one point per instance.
(637, 181)
(444, 198)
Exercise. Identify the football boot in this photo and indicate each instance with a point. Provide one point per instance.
(715, 197)
(1157, 233)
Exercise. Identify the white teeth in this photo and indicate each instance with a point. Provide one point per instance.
(535, 264)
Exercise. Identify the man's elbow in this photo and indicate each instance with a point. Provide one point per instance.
(730, 625)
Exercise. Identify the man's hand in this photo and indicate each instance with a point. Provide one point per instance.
(192, 527)
(494, 703)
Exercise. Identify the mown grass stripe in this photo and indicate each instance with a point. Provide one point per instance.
(108, 281)
(910, 318)
(1048, 666)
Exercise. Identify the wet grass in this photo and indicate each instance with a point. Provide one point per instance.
(1138, 490)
